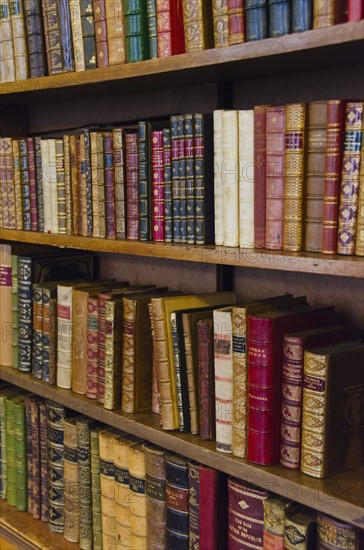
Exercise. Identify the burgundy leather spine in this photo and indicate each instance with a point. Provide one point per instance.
(259, 175)
(109, 186)
(236, 21)
(132, 180)
(206, 377)
(92, 347)
(32, 184)
(101, 33)
(170, 30)
(158, 231)
(355, 10)
(208, 506)
(101, 304)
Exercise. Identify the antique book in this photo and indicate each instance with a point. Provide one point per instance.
(348, 206)
(315, 175)
(8, 181)
(131, 183)
(35, 38)
(14, 311)
(6, 321)
(300, 525)
(24, 183)
(17, 188)
(65, 34)
(60, 186)
(155, 489)
(110, 220)
(107, 484)
(203, 174)
(332, 533)
(355, 10)
(76, 205)
(157, 186)
(29, 447)
(206, 379)
(230, 163)
(275, 509)
(7, 43)
(294, 345)
(161, 310)
(294, 174)
(170, 30)
(302, 14)
(245, 501)
(236, 22)
(327, 13)
(246, 178)
(67, 184)
(218, 179)
(256, 20)
(331, 395)
(43, 442)
(20, 448)
(187, 149)
(198, 25)
(96, 486)
(274, 176)
(260, 176)
(88, 34)
(113, 351)
(97, 184)
(51, 174)
(84, 426)
(77, 39)
(71, 481)
(136, 30)
(92, 346)
(119, 181)
(152, 29)
(49, 335)
(176, 151)
(144, 180)
(115, 32)
(102, 47)
(179, 366)
(137, 505)
(177, 501)
(85, 182)
(333, 163)
(47, 206)
(52, 37)
(359, 242)
(279, 17)
(56, 415)
(32, 184)
(37, 345)
(265, 337)
(220, 23)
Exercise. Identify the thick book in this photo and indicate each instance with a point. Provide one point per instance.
(260, 141)
(279, 17)
(10, 456)
(333, 533)
(24, 183)
(220, 23)
(115, 32)
(17, 187)
(302, 15)
(6, 324)
(198, 25)
(256, 19)
(155, 489)
(43, 442)
(56, 415)
(88, 34)
(97, 184)
(327, 13)
(333, 387)
(110, 216)
(71, 482)
(35, 38)
(30, 464)
(14, 311)
(137, 505)
(300, 524)
(177, 501)
(119, 181)
(84, 426)
(136, 30)
(170, 30)
(36, 474)
(202, 153)
(355, 10)
(236, 22)
(60, 186)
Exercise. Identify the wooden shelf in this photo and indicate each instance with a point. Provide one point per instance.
(341, 495)
(339, 45)
(344, 266)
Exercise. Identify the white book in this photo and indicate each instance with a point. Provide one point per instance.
(218, 186)
(230, 177)
(64, 336)
(246, 179)
(52, 176)
(47, 206)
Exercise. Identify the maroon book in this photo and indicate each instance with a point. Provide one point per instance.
(101, 33)
(355, 10)
(32, 175)
(259, 175)
(170, 30)
(236, 22)
(43, 442)
(264, 363)
(109, 186)
(158, 228)
(132, 185)
(206, 378)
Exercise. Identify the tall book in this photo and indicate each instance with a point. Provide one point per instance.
(256, 19)
(52, 37)
(218, 179)
(113, 351)
(102, 49)
(136, 30)
(96, 486)
(152, 29)
(43, 441)
(56, 415)
(97, 184)
(230, 157)
(260, 118)
(84, 426)
(21, 485)
(206, 379)
(35, 38)
(65, 33)
(119, 182)
(220, 23)
(115, 32)
(36, 473)
(177, 501)
(331, 396)
(110, 218)
(359, 243)
(49, 335)
(6, 321)
(71, 482)
(88, 34)
(144, 183)
(246, 178)
(17, 188)
(77, 40)
(171, 40)
(19, 39)
(155, 488)
(131, 183)
(348, 207)
(198, 25)
(32, 184)
(30, 463)
(137, 505)
(107, 484)
(10, 461)
(158, 186)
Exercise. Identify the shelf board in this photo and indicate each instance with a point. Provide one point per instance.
(307, 50)
(345, 266)
(341, 495)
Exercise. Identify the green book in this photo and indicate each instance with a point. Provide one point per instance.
(152, 29)
(10, 452)
(136, 30)
(20, 447)
(15, 309)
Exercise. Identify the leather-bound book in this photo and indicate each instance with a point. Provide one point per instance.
(359, 242)
(246, 178)
(65, 32)
(168, 208)
(155, 488)
(144, 183)
(37, 348)
(43, 442)
(115, 32)
(88, 34)
(182, 181)
(98, 184)
(327, 13)
(294, 177)
(77, 39)
(61, 187)
(51, 174)
(49, 332)
(84, 426)
(230, 157)
(96, 486)
(67, 184)
(302, 15)
(249, 501)
(275, 152)
(203, 174)
(218, 179)
(17, 186)
(56, 415)
(175, 181)
(171, 40)
(7, 43)
(19, 39)
(332, 431)
(14, 310)
(8, 182)
(300, 524)
(136, 30)
(198, 25)
(33, 460)
(193, 158)
(119, 181)
(221, 23)
(113, 351)
(152, 29)
(157, 175)
(92, 346)
(86, 182)
(137, 505)
(20, 446)
(315, 175)
(74, 185)
(348, 205)
(332, 533)
(71, 482)
(6, 351)
(35, 38)
(24, 183)
(265, 342)
(236, 21)
(256, 19)
(333, 162)
(279, 17)
(177, 501)
(10, 459)
(355, 10)
(206, 379)
(260, 118)
(132, 189)
(52, 37)
(179, 365)
(102, 51)
(107, 484)
(275, 510)
(109, 186)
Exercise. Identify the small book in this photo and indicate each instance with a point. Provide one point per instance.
(332, 533)
(300, 524)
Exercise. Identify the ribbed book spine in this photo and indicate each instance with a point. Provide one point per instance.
(195, 535)
(20, 445)
(279, 17)
(168, 207)
(220, 23)
(32, 184)
(302, 14)
(223, 355)
(17, 186)
(24, 182)
(332, 532)
(137, 506)
(113, 352)
(181, 129)
(256, 19)
(152, 29)
(71, 482)
(9, 182)
(61, 187)
(51, 174)
(65, 33)
(6, 348)
(74, 185)
(144, 181)
(236, 21)
(187, 344)
(55, 428)
(132, 190)
(177, 501)
(206, 379)
(170, 28)
(274, 516)
(14, 311)
(29, 447)
(7, 43)
(43, 442)
(176, 213)
(182, 403)
(25, 294)
(64, 338)
(119, 182)
(109, 186)
(84, 426)
(359, 244)
(79, 340)
(49, 336)
(88, 34)
(136, 30)
(77, 40)
(67, 184)
(97, 181)
(198, 25)
(158, 198)
(96, 487)
(327, 13)
(36, 459)
(122, 491)
(4, 484)
(52, 37)
(35, 38)
(155, 487)
(246, 178)
(101, 33)
(37, 351)
(203, 173)
(240, 381)
(92, 347)
(107, 482)
(115, 32)
(101, 323)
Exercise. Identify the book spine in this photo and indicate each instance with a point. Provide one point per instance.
(92, 346)
(79, 341)
(52, 175)
(177, 501)
(35, 462)
(61, 187)
(182, 178)
(221, 23)
(101, 33)
(152, 29)
(84, 426)
(192, 154)
(294, 177)
(29, 449)
(25, 295)
(315, 175)
(109, 186)
(86, 134)
(88, 34)
(14, 311)
(115, 32)
(77, 40)
(55, 429)
(348, 207)
(164, 28)
(119, 182)
(4, 188)
(17, 186)
(155, 404)
(203, 173)
(37, 351)
(359, 244)
(43, 442)
(122, 492)
(246, 178)
(101, 304)
(191, 370)
(7, 43)
(46, 192)
(236, 24)
(157, 174)
(333, 160)
(67, 184)
(211, 492)
(274, 516)
(6, 324)
(128, 388)
(3, 399)
(279, 17)
(330, 532)
(301, 525)
(155, 489)
(65, 35)
(82, 185)
(95, 488)
(97, 181)
(20, 444)
(355, 10)
(194, 533)
(327, 13)
(144, 181)
(10, 453)
(71, 482)
(274, 177)
(240, 385)
(206, 377)
(223, 355)
(9, 179)
(52, 37)
(35, 38)
(181, 402)
(36, 188)
(218, 178)
(74, 185)
(49, 338)
(168, 227)
(136, 30)
(107, 485)
(64, 340)
(198, 25)
(302, 13)
(230, 175)
(137, 505)
(24, 179)
(113, 353)
(256, 20)
(175, 161)
(132, 192)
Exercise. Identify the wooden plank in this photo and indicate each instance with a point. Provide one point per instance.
(340, 495)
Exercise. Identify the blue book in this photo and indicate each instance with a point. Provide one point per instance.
(279, 17)
(302, 15)
(256, 19)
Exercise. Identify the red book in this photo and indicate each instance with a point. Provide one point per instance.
(92, 346)
(206, 377)
(32, 175)
(265, 357)
(170, 30)
(355, 10)
(132, 185)
(259, 175)
(333, 159)
(109, 186)
(235, 21)
(101, 332)
(101, 33)
(157, 186)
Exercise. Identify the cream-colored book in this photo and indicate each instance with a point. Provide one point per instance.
(218, 185)
(138, 506)
(51, 175)
(230, 177)
(246, 179)
(77, 39)
(46, 184)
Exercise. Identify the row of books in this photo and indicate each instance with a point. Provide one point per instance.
(261, 378)
(291, 177)
(149, 182)
(104, 488)
(48, 37)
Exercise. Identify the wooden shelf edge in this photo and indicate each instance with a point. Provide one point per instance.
(321, 264)
(340, 495)
(345, 33)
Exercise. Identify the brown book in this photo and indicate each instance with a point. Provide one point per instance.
(206, 379)
(236, 21)
(52, 37)
(71, 481)
(155, 488)
(327, 13)
(359, 244)
(98, 184)
(315, 175)
(115, 31)
(259, 175)
(220, 22)
(101, 33)
(119, 181)
(331, 533)
(332, 423)
(198, 25)
(131, 182)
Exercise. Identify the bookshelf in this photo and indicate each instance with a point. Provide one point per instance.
(317, 64)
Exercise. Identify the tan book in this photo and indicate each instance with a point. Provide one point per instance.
(19, 39)
(74, 185)
(137, 507)
(115, 31)
(60, 187)
(7, 46)
(359, 245)
(221, 23)
(198, 25)
(71, 481)
(119, 181)
(76, 27)
(230, 177)
(97, 181)
(6, 341)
